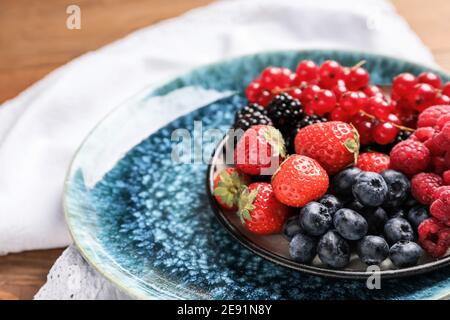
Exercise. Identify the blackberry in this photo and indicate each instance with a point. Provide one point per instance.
(285, 112)
(402, 136)
(289, 138)
(251, 115)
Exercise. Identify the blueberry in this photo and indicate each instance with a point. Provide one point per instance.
(376, 219)
(416, 215)
(398, 188)
(302, 248)
(397, 213)
(344, 180)
(350, 224)
(333, 250)
(315, 219)
(397, 229)
(372, 250)
(331, 202)
(370, 189)
(405, 254)
(355, 205)
(410, 201)
(292, 227)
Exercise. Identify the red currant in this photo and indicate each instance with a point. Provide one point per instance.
(309, 93)
(253, 91)
(378, 107)
(446, 89)
(372, 90)
(407, 118)
(385, 133)
(364, 125)
(265, 98)
(403, 84)
(274, 77)
(338, 114)
(442, 99)
(329, 73)
(357, 78)
(351, 102)
(295, 93)
(431, 78)
(323, 102)
(392, 118)
(307, 71)
(422, 96)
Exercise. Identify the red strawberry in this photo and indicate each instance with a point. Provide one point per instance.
(260, 150)
(373, 161)
(260, 211)
(334, 144)
(423, 186)
(434, 237)
(227, 187)
(299, 180)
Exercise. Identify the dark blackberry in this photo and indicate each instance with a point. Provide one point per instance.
(249, 110)
(250, 120)
(285, 112)
(289, 138)
(402, 136)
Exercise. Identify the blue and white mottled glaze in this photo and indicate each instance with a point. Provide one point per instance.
(146, 223)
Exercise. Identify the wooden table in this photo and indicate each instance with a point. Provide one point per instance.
(34, 41)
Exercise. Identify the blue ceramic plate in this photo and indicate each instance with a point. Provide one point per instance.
(144, 220)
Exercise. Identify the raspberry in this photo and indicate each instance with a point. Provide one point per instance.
(434, 146)
(424, 133)
(438, 165)
(446, 177)
(440, 208)
(423, 186)
(442, 121)
(437, 193)
(434, 237)
(410, 157)
(373, 161)
(430, 116)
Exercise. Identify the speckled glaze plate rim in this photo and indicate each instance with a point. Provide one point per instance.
(151, 90)
(286, 262)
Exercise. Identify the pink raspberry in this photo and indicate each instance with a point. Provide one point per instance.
(440, 208)
(430, 116)
(423, 186)
(434, 147)
(446, 176)
(424, 133)
(410, 157)
(434, 237)
(443, 120)
(438, 165)
(437, 193)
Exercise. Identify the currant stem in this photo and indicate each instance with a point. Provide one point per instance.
(359, 64)
(394, 124)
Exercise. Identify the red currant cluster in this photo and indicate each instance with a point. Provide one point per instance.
(345, 94)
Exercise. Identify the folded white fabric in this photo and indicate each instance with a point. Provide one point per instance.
(41, 128)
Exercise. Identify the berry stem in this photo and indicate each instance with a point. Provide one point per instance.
(359, 64)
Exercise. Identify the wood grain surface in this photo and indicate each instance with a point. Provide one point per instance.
(34, 41)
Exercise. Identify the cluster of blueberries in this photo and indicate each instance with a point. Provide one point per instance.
(373, 212)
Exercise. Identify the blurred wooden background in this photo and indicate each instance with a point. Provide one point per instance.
(34, 41)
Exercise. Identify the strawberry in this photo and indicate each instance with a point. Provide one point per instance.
(373, 161)
(299, 180)
(334, 144)
(260, 211)
(260, 150)
(227, 187)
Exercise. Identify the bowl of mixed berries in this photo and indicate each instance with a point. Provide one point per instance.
(330, 174)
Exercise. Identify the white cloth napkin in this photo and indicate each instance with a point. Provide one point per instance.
(41, 128)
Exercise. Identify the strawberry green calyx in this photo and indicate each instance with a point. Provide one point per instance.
(275, 138)
(229, 187)
(352, 145)
(246, 205)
